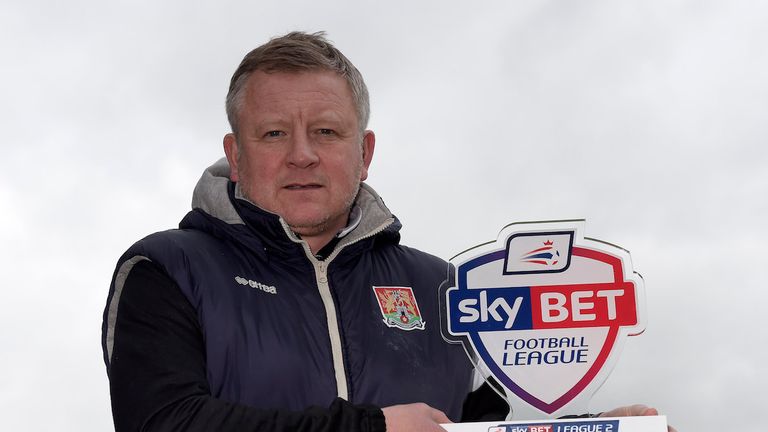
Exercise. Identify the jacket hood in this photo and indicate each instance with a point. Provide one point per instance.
(215, 194)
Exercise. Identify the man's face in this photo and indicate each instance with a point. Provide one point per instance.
(301, 154)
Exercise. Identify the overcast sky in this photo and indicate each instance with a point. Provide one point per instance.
(647, 118)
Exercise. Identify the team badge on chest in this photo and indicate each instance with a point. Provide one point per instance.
(399, 308)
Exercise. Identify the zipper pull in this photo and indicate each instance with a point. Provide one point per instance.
(322, 276)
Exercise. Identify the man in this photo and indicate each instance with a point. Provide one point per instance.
(262, 311)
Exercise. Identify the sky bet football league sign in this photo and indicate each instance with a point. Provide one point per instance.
(544, 311)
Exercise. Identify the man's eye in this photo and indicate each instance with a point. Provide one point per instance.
(326, 131)
(273, 134)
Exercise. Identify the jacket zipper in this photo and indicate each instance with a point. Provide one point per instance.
(321, 279)
(321, 276)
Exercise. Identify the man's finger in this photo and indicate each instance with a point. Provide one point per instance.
(631, 410)
(440, 417)
(650, 412)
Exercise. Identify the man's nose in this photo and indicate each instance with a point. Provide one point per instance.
(303, 153)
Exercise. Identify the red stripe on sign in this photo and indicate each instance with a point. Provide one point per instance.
(540, 249)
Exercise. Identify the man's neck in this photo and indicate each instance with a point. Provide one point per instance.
(328, 238)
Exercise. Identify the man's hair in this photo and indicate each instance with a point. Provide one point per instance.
(297, 52)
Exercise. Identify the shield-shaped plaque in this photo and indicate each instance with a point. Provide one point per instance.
(545, 312)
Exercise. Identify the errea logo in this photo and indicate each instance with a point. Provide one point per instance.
(257, 285)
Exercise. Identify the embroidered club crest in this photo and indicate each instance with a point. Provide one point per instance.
(399, 308)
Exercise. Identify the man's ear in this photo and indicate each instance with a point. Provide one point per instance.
(369, 143)
(231, 150)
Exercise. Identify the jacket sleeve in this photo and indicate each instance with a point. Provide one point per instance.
(157, 371)
(484, 404)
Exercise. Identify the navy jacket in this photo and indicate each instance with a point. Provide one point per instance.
(230, 323)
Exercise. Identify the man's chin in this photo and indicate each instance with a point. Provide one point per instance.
(317, 225)
(317, 222)
(306, 230)
(308, 226)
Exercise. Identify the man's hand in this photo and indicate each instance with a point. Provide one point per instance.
(414, 417)
(634, 410)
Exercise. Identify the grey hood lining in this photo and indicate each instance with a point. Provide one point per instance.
(211, 194)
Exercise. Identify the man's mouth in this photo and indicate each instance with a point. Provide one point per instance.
(303, 186)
